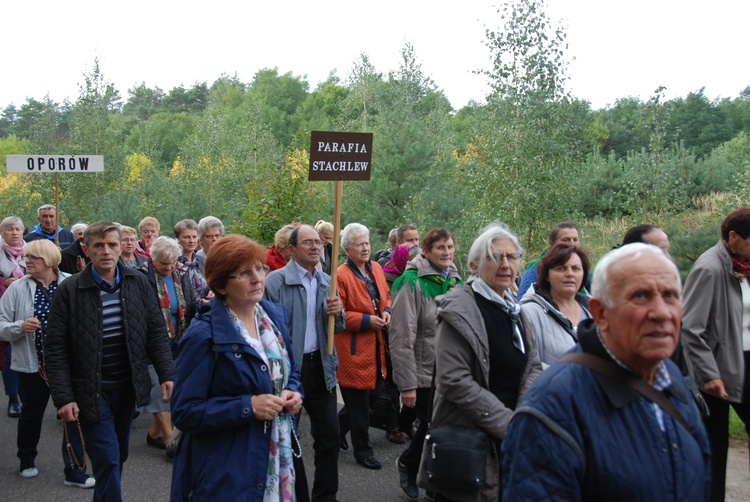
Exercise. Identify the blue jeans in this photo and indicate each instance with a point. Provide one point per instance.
(107, 442)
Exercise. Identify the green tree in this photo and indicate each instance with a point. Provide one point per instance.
(279, 97)
(699, 123)
(143, 102)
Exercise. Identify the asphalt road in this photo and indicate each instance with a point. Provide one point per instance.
(148, 473)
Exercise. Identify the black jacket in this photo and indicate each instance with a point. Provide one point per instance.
(70, 257)
(73, 344)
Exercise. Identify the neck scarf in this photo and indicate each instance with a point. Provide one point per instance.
(507, 304)
(192, 270)
(173, 332)
(740, 266)
(15, 254)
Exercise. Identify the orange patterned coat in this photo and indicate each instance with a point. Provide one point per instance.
(358, 343)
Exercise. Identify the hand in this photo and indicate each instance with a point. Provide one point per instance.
(716, 388)
(10, 280)
(292, 401)
(30, 325)
(69, 412)
(166, 391)
(376, 322)
(386, 318)
(409, 398)
(334, 306)
(266, 406)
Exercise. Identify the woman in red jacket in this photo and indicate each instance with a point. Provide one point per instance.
(361, 347)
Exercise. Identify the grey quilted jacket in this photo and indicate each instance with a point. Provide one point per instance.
(74, 341)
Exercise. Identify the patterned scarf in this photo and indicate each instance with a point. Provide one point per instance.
(15, 254)
(740, 266)
(190, 268)
(166, 308)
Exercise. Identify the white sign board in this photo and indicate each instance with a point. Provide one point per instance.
(54, 163)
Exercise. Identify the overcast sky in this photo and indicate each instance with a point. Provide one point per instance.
(620, 48)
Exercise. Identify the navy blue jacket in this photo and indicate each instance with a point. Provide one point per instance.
(223, 454)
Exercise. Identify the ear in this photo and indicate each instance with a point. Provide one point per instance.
(473, 266)
(598, 310)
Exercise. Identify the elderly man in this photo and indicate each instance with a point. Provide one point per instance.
(210, 230)
(104, 328)
(45, 229)
(596, 432)
(716, 337)
(73, 257)
(304, 290)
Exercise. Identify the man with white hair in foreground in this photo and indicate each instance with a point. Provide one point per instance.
(614, 419)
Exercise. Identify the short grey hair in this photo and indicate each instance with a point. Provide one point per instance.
(166, 249)
(481, 248)
(45, 207)
(208, 222)
(10, 221)
(600, 283)
(351, 232)
(78, 227)
(182, 225)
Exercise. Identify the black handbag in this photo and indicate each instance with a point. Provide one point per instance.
(455, 457)
(384, 407)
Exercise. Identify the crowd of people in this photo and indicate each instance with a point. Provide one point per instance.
(614, 384)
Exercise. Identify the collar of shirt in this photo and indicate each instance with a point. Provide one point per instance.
(303, 272)
(100, 280)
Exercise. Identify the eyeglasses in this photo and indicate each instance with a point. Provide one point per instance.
(511, 257)
(33, 258)
(247, 274)
(310, 242)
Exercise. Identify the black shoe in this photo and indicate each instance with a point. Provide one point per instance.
(155, 442)
(14, 408)
(344, 444)
(407, 481)
(370, 463)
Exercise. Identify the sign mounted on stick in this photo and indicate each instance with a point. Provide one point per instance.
(54, 163)
(340, 156)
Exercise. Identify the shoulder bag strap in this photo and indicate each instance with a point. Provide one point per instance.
(621, 375)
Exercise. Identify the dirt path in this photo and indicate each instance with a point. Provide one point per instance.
(738, 474)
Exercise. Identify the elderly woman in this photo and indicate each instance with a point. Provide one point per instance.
(23, 322)
(278, 255)
(177, 301)
(189, 263)
(237, 387)
(485, 359)
(128, 256)
(325, 231)
(12, 268)
(149, 228)
(556, 306)
(412, 337)
(210, 230)
(361, 347)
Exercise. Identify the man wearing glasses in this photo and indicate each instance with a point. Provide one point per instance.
(304, 290)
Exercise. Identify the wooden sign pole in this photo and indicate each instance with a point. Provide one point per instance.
(335, 257)
(57, 209)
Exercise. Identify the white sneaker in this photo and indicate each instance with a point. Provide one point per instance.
(31, 472)
(82, 481)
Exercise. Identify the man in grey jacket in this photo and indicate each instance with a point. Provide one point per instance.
(304, 290)
(716, 337)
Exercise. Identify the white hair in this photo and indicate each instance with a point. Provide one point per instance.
(165, 248)
(481, 248)
(208, 222)
(78, 227)
(351, 232)
(600, 283)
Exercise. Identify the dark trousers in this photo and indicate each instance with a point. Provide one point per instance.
(355, 416)
(717, 427)
(413, 454)
(34, 394)
(10, 377)
(320, 404)
(107, 442)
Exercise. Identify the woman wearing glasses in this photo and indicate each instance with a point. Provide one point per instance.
(237, 387)
(485, 359)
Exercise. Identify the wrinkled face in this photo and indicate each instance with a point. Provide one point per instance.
(659, 239)
(36, 266)
(739, 245)
(410, 237)
(149, 234)
(359, 249)
(500, 269)
(247, 286)
(209, 237)
(565, 280)
(48, 220)
(568, 236)
(78, 234)
(164, 267)
(441, 253)
(104, 251)
(308, 248)
(642, 327)
(13, 235)
(128, 244)
(188, 239)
